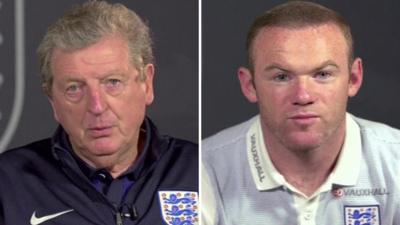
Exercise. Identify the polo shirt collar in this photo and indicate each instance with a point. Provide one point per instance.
(267, 177)
(349, 162)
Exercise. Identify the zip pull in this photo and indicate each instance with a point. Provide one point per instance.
(133, 212)
(118, 218)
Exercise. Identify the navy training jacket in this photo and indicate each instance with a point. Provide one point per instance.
(41, 183)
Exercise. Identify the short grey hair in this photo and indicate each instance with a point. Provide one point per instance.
(85, 25)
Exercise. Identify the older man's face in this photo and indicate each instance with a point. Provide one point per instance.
(302, 82)
(99, 99)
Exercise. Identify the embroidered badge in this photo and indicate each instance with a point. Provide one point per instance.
(179, 207)
(362, 215)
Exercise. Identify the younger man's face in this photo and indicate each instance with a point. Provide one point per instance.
(301, 82)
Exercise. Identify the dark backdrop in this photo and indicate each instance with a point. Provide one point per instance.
(174, 25)
(375, 29)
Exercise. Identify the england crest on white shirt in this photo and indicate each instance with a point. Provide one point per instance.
(179, 207)
(362, 215)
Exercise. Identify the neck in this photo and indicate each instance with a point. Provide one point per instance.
(116, 163)
(306, 169)
(117, 169)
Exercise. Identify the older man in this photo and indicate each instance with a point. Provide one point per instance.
(303, 160)
(106, 163)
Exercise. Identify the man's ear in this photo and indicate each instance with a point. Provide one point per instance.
(55, 113)
(247, 84)
(356, 77)
(148, 71)
(48, 92)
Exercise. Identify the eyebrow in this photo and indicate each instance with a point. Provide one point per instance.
(323, 65)
(326, 64)
(77, 77)
(71, 78)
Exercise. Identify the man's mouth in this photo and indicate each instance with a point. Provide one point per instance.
(100, 131)
(304, 119)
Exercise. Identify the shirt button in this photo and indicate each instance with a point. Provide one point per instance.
(307, 215)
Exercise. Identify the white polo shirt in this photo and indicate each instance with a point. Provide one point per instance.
(244, 187)
(345, 172)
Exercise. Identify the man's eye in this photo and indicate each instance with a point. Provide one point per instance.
(113, 82)
(281, 77)
(73, 89)
(74, 92)
(322, 75)
(114, 86)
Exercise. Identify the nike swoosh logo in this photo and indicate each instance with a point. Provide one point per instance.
(38, 220)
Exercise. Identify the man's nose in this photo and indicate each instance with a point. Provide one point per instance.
(96, 102)
(303, 91)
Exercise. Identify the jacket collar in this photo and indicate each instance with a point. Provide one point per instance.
(153, 148)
